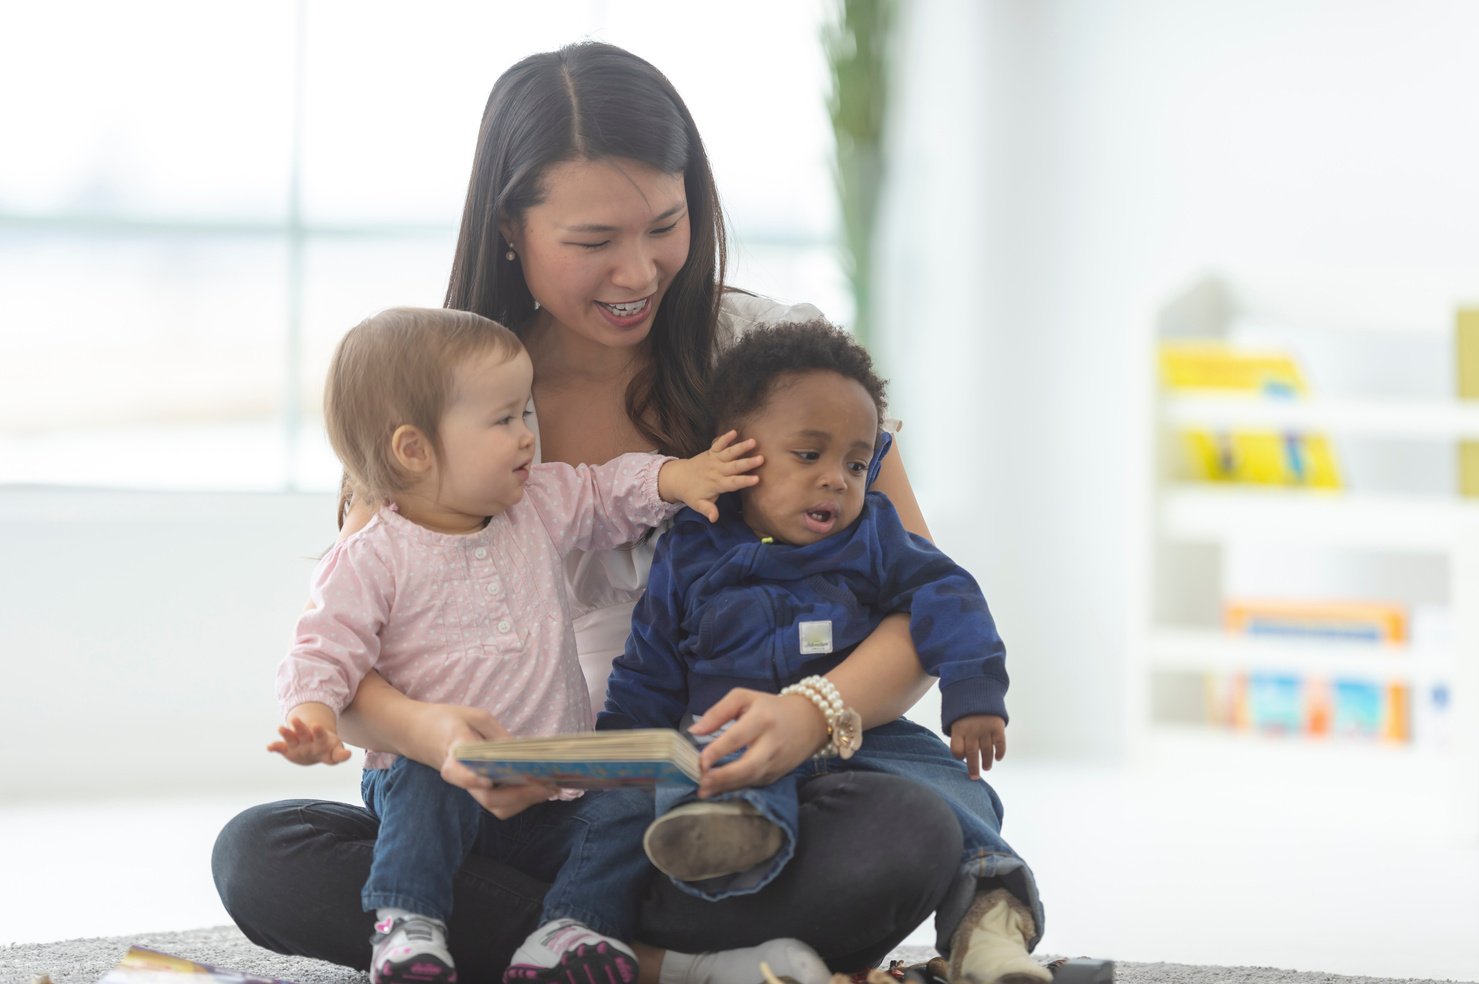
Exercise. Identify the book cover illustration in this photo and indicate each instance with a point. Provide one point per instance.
(591, 760)
(144, 966)
(1251, 456)
(1284, 702)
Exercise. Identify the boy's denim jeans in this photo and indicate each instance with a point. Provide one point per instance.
(589, 849)
(900, 748)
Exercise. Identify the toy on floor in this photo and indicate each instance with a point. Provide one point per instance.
(1080, 970)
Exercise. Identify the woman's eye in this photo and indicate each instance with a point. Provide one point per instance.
(592, 246)
(665, 230)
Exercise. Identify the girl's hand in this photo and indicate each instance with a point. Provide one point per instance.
(699, 481)
(309, 744)
(777, 734)
(451, 725)
(980, 739)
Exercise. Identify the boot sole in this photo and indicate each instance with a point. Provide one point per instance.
(693, 847)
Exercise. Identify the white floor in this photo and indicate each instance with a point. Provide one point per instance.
(1355, 872)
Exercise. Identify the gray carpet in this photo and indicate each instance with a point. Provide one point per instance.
(85, 961)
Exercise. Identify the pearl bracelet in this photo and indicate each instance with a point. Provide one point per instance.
(823, 694)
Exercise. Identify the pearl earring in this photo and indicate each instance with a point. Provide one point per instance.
(510, 255)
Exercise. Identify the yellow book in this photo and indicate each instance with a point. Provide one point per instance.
(1249, 456)
(1466, 337)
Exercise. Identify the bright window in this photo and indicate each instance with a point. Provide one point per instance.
(197, 200)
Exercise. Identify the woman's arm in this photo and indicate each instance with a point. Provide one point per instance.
(892, 482)
(383, 718)
(880, 679)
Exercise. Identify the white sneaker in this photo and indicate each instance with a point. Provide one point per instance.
(568, 952)
(990, 945)
(411, 950)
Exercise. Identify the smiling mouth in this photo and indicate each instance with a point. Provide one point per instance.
(628, 309)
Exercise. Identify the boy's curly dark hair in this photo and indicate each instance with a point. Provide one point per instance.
(746, 375)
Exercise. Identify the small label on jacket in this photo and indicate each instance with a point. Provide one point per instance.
(816, 637)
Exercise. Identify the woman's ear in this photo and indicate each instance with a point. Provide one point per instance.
(507, 231)
(412, 450)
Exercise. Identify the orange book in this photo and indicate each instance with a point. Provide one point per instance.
(1353, 621)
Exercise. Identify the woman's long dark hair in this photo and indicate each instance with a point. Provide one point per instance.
(592, 101)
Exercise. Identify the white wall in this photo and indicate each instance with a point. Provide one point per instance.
(139, 634)
(1061, 167)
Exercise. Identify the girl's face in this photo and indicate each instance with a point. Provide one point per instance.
(487, 445)
(817, 431)
(601, 250)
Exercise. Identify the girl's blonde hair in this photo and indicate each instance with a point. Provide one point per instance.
(392, 369)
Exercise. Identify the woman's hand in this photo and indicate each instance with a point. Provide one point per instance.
(501, 801)
(777, 734)
(449, 725)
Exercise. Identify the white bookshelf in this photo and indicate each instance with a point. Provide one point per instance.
(1372, 531)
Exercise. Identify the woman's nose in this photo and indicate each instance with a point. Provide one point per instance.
(635, 270)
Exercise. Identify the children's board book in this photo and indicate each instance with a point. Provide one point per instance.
(143, 966)
(1249, 456)
(591, 760)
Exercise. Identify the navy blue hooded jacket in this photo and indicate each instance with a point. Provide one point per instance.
(723, 609)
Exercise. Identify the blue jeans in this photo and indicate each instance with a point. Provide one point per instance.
(587, 848)
(900, 748)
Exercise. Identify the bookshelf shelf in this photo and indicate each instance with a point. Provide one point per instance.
(1225, 513)
(1414, 551)
(1209, 650)
(1423, 420)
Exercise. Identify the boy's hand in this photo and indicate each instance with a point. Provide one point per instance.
(698, 481)
(309, 743)
(980, 739)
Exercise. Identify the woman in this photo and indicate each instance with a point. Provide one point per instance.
(593, 229)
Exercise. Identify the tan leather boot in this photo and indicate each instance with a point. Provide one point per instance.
(990, 945)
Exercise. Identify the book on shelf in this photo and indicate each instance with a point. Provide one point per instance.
(144, 966)
(1292, 704)
(589, 760)
(1466, 358)
(1258, 457)
(1336, 621)
(1288, 702)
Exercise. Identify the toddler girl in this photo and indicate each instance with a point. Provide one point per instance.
(798, 570)
(455, 593)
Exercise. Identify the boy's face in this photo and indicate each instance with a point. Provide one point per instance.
(487, 445)
(817, 432)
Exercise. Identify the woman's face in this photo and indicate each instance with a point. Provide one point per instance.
(601, 250)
